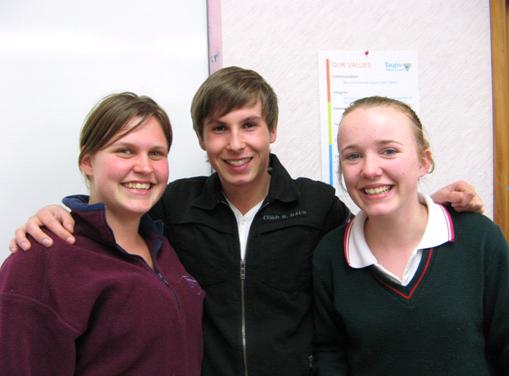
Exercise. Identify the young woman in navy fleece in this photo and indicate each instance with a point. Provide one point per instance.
(118, 301)
(408, 287)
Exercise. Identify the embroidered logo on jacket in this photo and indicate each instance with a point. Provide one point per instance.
(284, 216)
(191, 282)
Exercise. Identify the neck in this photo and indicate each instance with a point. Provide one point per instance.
(126, 232)
(124, 228)
(392, 239)
(245, 198)
(397, 233)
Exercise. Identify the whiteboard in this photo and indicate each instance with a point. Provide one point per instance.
(59, 57)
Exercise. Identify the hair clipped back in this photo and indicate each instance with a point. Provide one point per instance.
(377, 101)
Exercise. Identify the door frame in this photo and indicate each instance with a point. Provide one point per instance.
(500, 75)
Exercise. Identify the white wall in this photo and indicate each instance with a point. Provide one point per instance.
(59, 57)
(281, 39)
(145, 47)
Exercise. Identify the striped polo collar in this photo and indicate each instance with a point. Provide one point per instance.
(439, 230)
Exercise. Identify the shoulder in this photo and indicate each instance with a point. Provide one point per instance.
(329, 256)
(316, 198)
(330, 245)
(21, 262)
(315, 186)
(177, 196)
(305, 186)
(320, 195)
(38, 255)
(186, 186)
(30, 273)
(477, 232)
(469, 224)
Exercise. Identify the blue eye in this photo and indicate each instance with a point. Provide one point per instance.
(389, 152)
(352, 156)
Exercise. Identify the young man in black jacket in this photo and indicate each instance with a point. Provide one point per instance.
(247, 232)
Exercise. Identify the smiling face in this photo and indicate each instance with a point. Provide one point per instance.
(380, 160)
(130, 174)
(238, 148)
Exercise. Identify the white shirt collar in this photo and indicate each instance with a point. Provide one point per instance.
(439, 230)
(244, 222)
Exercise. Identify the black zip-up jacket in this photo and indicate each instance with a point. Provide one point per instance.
(258, 313)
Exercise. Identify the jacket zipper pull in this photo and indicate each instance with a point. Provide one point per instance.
(242, 270)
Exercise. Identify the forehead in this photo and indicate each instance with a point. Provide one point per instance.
(251, 110)
(376, 121)
(150, 131)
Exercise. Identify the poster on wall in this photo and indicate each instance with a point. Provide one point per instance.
(345, 76)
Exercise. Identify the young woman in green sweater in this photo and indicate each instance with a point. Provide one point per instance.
(408, 287)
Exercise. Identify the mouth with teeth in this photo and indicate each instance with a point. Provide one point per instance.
(377, 190)
(237, 162)
(139, 186)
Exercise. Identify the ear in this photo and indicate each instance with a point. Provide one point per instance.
(426, 162)
(273, 135)
(86, 165)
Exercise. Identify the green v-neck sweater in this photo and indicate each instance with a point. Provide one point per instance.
(451, 319)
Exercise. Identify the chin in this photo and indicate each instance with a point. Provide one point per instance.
(239, 181)
(379, 212)
(139, 209)
(373, 208)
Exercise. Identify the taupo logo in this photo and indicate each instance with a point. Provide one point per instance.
(397, 67)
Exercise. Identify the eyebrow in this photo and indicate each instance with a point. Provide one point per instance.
(382, 142)
(130, 144)
(219, 121)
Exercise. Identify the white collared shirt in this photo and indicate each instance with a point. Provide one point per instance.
(439, 230)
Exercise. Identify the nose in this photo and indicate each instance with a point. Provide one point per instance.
(142, 164)
(371, 166)
(236, 141)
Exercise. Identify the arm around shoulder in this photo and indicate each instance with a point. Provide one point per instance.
(54, 217)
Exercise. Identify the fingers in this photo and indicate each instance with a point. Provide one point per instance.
(461, 195)
(467, 202)
(56, 219)
(13, 247)
(68, 224)
(470, 200)
(461, 186)
(33, 228)
(464, 198)
(20, 238)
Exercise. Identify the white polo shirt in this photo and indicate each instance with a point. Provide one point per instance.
(439, 230)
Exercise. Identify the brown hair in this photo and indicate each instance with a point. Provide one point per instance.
(105, 122)
(229, 89)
